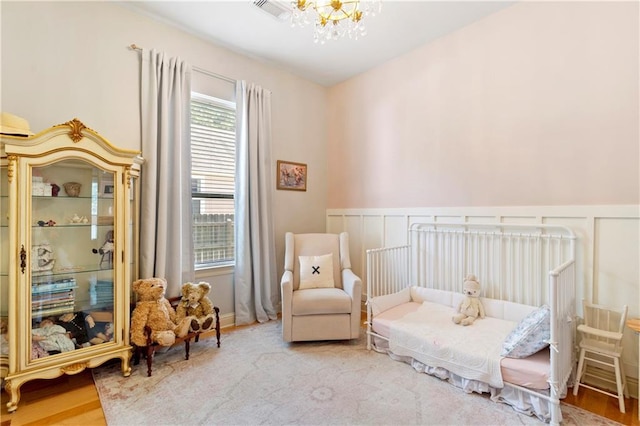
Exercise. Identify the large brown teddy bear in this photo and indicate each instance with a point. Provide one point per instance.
(154, 310)
(196, 304)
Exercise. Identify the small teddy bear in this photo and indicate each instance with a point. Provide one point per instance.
(470, 307)
(154, 310)
(195, 303)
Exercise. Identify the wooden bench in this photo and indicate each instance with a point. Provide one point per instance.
(149, 350)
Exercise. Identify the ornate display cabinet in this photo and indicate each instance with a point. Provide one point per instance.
(67, 259)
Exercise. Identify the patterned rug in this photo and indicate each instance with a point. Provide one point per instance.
(255, 378)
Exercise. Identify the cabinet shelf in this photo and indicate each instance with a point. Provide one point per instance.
(67, 198)
(72, 225)
(75, 270)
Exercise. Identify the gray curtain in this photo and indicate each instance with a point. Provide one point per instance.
(255, 278)
(166, 239)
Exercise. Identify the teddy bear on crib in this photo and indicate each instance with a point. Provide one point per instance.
(470, 307)
(195, 303)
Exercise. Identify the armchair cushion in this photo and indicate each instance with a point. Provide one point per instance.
(321, 301)
(316, 271)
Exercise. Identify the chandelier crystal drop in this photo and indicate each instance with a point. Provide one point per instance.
(333, 19)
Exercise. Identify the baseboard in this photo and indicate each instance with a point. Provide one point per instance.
(227, 320)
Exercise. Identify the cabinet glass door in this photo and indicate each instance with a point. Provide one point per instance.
(71, 257)
(4, 270)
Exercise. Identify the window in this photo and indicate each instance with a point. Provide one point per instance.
(213, 151)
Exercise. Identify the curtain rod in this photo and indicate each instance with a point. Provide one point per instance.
(200, 70)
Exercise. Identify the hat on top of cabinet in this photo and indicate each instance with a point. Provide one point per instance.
(13, 125)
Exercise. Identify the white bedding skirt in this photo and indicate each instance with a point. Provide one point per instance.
(531, 402)
(531, 373)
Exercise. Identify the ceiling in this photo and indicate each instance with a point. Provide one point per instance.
(243, 27)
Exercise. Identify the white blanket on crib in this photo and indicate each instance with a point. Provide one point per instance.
(430, 336)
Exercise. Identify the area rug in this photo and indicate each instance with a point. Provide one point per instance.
(255, 378)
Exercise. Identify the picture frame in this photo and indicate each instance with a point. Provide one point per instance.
(107, 188)
(291, 176)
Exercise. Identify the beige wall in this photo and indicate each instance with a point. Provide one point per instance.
(62, 60)
(534, 105)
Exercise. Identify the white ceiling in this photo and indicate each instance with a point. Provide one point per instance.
(242, 27)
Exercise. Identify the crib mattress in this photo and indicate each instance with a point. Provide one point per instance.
(531, 372)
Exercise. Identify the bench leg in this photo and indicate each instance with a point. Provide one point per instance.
(150, 353)
(217, 324)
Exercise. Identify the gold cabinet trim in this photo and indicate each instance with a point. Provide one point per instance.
(11, 167)
(74, 368)
(77, 127)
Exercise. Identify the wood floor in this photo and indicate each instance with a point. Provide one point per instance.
(73, 400)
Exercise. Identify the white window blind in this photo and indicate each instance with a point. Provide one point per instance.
(213, 150)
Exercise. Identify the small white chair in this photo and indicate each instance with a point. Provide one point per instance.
(601, 346)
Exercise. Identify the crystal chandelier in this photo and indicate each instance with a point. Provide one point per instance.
(334, 18)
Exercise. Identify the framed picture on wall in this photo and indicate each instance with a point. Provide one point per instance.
(291, 176)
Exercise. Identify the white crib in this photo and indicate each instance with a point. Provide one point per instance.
(526, 264)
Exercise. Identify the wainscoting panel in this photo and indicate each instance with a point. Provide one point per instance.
(607, 250)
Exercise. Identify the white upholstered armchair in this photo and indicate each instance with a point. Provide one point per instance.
(320, 294)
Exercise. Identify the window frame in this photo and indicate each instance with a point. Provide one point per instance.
(221, 266)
